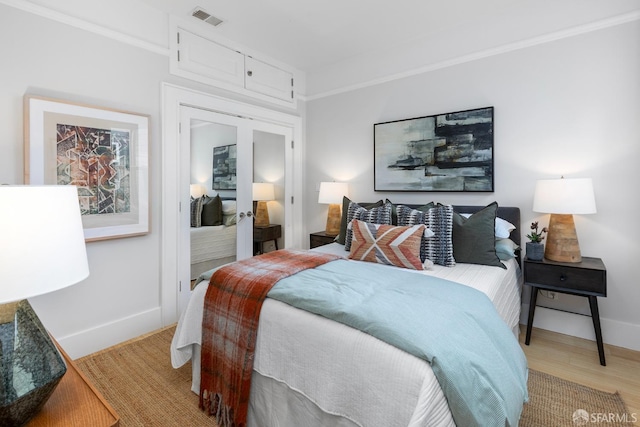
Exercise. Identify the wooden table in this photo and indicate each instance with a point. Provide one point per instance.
(75, 403)
(320, 238)
(265, 233)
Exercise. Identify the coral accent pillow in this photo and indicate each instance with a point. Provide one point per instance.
(387, 244)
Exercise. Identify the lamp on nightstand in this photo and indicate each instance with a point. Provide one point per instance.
(262, 193)
(331, 193)
(197, 190)
(42, 250)
(562, 198)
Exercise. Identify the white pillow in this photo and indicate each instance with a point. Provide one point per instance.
(503, 228)
(228, 207)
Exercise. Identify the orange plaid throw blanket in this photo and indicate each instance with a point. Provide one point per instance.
(230, 325)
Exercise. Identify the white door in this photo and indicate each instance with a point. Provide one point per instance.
(223, 131)
(273, 163)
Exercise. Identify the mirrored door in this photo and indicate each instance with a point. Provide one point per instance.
(222, 156)
(272, 164)
(215, 180)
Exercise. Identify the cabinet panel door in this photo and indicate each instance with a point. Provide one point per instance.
(268, 80)
(209, 59)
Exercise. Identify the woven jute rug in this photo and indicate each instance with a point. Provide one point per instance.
(557, 402)
(137, 379)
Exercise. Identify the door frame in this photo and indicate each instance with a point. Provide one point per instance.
(173, 97)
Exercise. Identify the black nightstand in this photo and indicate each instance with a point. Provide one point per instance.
(587, 278)
(265, 233)
(320, 238)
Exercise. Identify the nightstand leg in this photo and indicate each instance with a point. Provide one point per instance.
(532, 310)
(595, 316)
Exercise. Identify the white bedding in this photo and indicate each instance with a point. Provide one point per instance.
(306, 364)
(211, 246)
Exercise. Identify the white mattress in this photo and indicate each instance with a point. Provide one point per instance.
(209, 243)
(306, 364)
(212, 242)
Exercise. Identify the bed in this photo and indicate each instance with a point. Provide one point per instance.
(212, 246)
(213, 237)
(309, 370)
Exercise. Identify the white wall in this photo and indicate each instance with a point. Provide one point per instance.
(569, 107)
(46, 58)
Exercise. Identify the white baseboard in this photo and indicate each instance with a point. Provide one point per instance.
(616, 333)
(91, 340)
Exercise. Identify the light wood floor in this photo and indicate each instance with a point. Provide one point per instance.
(576, 359)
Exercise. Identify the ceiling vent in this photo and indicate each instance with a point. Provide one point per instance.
(204, 16)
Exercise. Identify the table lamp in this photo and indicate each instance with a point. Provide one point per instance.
(562, 198)
(42, 250)
(262, 193)
(331, 193)
(196, 190)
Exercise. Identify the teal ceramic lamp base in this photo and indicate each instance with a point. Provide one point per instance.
(30, 364)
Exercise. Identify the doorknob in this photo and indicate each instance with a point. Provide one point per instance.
(241, 215)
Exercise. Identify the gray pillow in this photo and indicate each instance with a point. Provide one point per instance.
(196, 211)
(474, 237)
(212, 211)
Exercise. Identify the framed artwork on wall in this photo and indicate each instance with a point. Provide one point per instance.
(224, 167)
(104, 152)
(443, 152)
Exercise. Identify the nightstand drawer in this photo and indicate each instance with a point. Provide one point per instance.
(560, 276)
(320, 238)
(266, 233)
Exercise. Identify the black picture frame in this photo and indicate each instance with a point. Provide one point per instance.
(450, 152)
(224, 167)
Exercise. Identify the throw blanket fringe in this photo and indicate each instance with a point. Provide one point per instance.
(230, 325)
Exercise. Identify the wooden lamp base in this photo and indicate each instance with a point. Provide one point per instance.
(262, 214)
(562, 239)
(334, 218)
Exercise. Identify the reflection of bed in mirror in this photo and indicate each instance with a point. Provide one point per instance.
(212, 245)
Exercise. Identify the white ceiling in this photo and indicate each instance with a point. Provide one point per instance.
(310, 35)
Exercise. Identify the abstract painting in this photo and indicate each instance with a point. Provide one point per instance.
(444, 152)
(97, 162)
(103, 152)
(224, 167)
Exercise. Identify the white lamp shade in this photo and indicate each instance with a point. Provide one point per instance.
(42, 247)
(197, 190)
(564, 196)
(263, 191)
(332, 192)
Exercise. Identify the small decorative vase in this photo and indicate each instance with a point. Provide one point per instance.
(535, 251)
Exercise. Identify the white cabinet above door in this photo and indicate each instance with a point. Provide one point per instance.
(208, 59)
(268, 80)
(199, 55)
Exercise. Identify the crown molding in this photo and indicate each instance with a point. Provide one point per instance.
(523, 44)
(87, 26)
(165, 51)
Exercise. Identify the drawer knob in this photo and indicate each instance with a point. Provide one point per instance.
(563, 277)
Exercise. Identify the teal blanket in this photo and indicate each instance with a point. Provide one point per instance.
(474, 355)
